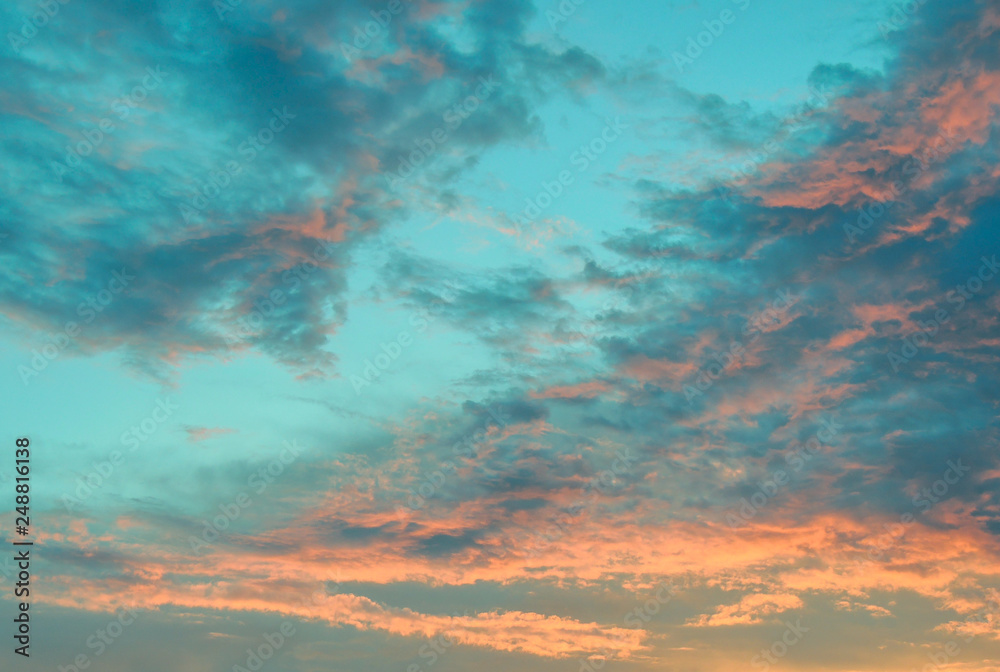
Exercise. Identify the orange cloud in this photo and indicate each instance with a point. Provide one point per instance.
(587, 390)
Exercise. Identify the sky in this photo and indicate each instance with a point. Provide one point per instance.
(419, 336)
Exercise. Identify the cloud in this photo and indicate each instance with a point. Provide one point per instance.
(199, 434)
(750, 610)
